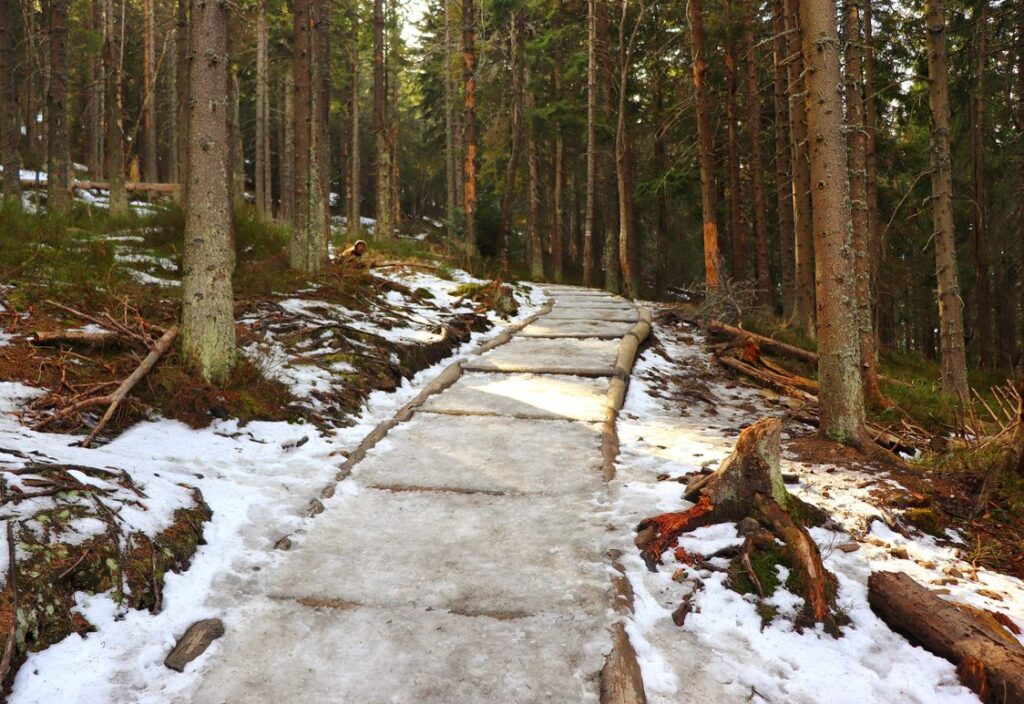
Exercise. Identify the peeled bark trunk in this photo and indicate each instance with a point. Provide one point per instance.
(953, 356)
(762, 267)
(10, 122)
(208, 323)
(149, 134)
(856, 142)
(385, 227)
(588, 218)
(470, 135)
(803, 305)
(979, 210)
(842, 399)
(705, 145)
(783, 163)
(58, 157)
(737, 223)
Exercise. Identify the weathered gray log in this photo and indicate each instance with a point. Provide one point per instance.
(194, 643)
(990, 662)
(75, 337)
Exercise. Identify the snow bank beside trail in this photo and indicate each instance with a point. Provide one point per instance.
(257, 479)
(671, 427)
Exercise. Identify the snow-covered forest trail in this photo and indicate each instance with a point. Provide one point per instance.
(464, 559)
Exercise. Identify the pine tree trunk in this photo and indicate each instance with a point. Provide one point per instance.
(841, 398)
(10, 121)
(208, 324)
(628, 249)
(661, 198)
(58, 158)
(951, 317)
(450, 172)
(470, 127)
(94, 96)
(149, 155)
(607, 196)
(286, 156)
(737, 223)
(557, 206)
(856, 142)
(783, 162)
(535, 239)
(803, 305)
(515, 156)
(882, 298)
(979, 210)
(762, 266)
(181, 49)
(113, 158)
(320, 144)
(262, 161)
(384, 228)
(237, 148)
(395, 120)
(588, 218)
(706, 147)
(354, 212)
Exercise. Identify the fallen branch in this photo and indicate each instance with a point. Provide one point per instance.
(767, 343)
(75, 337)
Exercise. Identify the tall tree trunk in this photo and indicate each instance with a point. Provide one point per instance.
(783, 162)
(535, 239)
(113, 158)
(385, 227)
(208, 321)
(149, 133)
(262, 160)
(470, 135)
(856, 141)
(10, 122)
(737, 223)
(1019, 301)
(762, 266)
(512, 166)
(979, 210)
(628, 246)
(803, 305)
(882, 298)
(557, 206)
(58, 157)
(237, 147)
(182, 60)
(94, 97)
(661, 197)
(607, 196)
(588, 218)
(353, 214)
(286, 156)
(394, 119)
(706, 147)
(951, 315)
(841, 397)
(320, 142)
(450, 171)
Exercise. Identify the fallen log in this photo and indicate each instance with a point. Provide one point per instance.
(96, 338)
(767, 343)
(138, 186)
(989, 662)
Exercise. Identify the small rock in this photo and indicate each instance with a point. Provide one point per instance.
(927, 564)
(899, 552)
(954, 572)
(284, 543)
(851, 546)
(315, 507)
(748, 526)
(194, 643)
(990, 594)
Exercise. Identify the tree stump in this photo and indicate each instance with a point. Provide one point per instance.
(749, 484)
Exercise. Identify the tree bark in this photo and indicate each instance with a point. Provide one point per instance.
(181, 48)
(470, 127)
(450, 157)
(535, 239)
(353, 213)
(557, 207)
(149, 130)
(286, 152)
(706, 147)
(58, 157)
(856, 143)
(588, 217)
(395, 118)
(875, 244)
(113, 158)
(93, 96)
(979, 210)
(989, 660)
(515, 156)
(237, 148)
(10, 122)
(385, 227)
(842, 398)
(762, 267)
(737, 222)
(262, 161)
(208, 323)
(803, 305)
(783, 162)
(953, 356)
(628, 246)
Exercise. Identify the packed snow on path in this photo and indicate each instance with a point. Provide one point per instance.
(722, 653)
(258, 479)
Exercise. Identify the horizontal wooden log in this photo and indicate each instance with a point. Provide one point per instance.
(74, 337)
(766, 343)
(134, 186)
(988, 662)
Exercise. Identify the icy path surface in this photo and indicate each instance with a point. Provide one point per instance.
(464, 559)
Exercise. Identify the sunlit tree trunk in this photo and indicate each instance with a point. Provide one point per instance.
(10, 122)
(951, 316)
(705, 145)
(841, 398)
(470, 127)
(385, 227)
(588, 218)
(149, 134)
(58, 157)
(208, 323)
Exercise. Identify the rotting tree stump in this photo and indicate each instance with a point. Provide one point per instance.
(749, 484)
